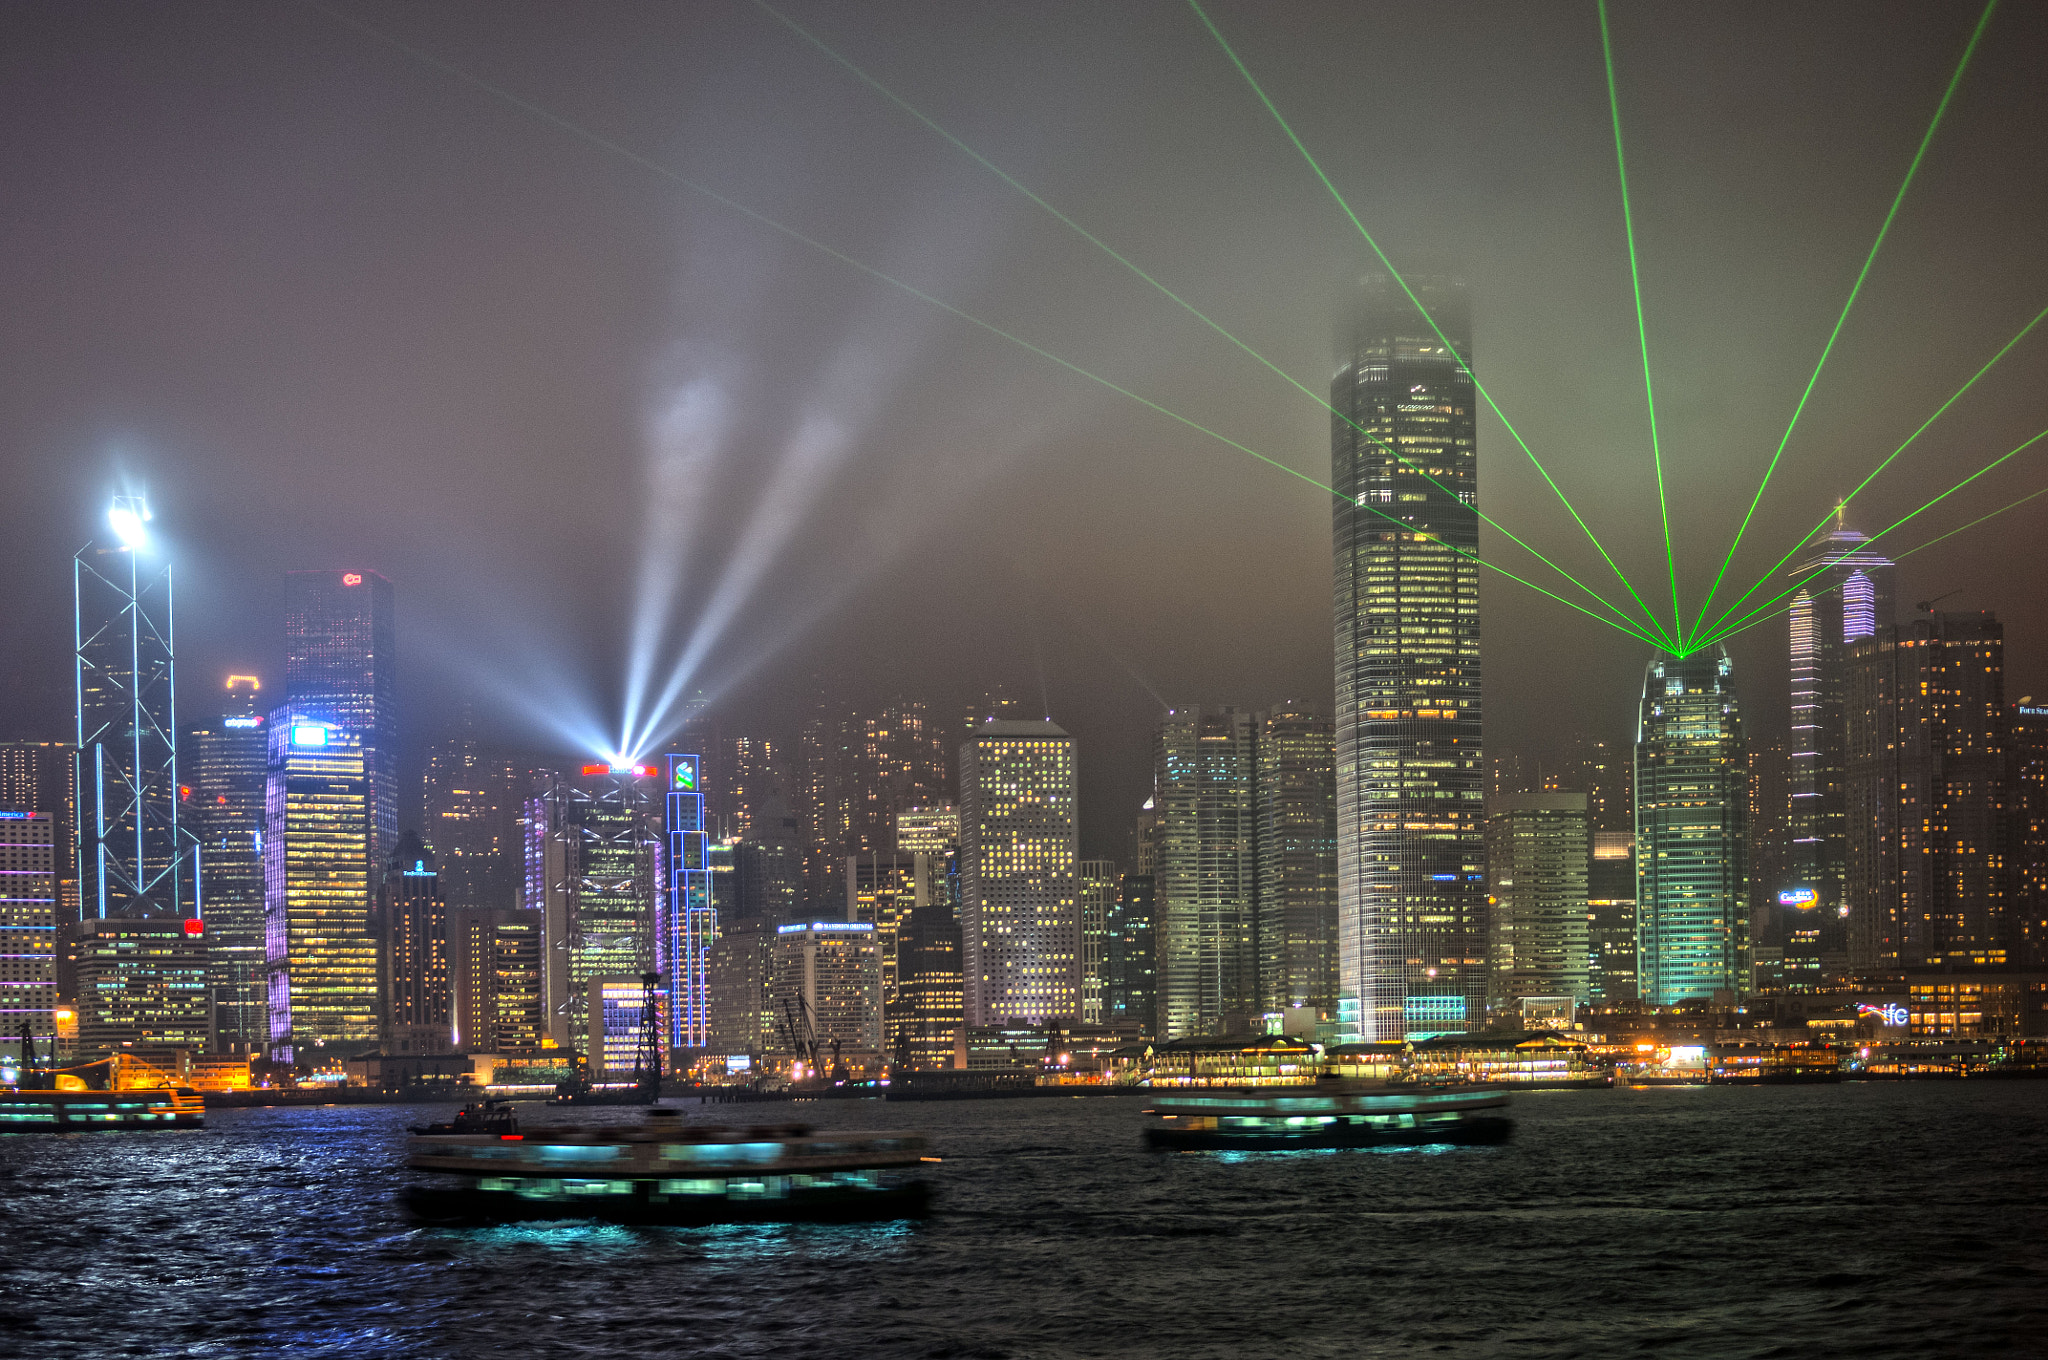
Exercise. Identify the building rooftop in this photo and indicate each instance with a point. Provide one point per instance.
(1005, 728)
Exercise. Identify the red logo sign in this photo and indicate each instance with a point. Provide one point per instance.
(351, 578)
(195, 926)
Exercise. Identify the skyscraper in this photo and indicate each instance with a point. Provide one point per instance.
(1850, 596)
(224, 771)
(827, 985)
(1020, 920)
(929, 1014)
(339, 654)
(472, 820)
(1098, 878)
(1411, 777)
(28, 924)
(689, 913)
(1692, 832)
(1130, 993)
(1926, 738)
(1537, 854)
(755, 806)
(132, 862)
(822, 810)
(496, 978)
(418, 1001)
(1203, 765)
(319, 947)
(36, 776)
(2026, 793)
(1785, 943)
(1611, 919)
(895, 759)
(592, 844)
(1295, 804)
(881, 889)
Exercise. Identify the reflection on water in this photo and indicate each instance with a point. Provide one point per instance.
(1866, 1220)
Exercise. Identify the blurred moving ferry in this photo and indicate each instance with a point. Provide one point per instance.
(1328, 1114)
(664, 1170)
(134, 1095)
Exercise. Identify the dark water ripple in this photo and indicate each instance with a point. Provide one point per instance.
(1857, 1221)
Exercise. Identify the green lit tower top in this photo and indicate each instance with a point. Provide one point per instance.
(1411, 876)
(1692, 832)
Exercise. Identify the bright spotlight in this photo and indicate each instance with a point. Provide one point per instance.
(126, 517)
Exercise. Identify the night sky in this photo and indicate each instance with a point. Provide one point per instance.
(332, 306)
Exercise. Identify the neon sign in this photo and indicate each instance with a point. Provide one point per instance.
(1891, 1013)
(309, 734)
(351, 578)
(194, 926)
(241, 722)
(1797, 897)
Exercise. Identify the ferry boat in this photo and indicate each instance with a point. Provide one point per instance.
(1327, 1115)
(666, 1171)
(32, 1111)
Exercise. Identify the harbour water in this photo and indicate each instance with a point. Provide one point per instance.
(1865, 1221)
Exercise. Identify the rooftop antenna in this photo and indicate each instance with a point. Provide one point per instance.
(1927, 606)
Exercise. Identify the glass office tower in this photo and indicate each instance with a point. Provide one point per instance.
(1020, 907)
(1692, 833)
(224, 770)
(1411, 862)
(338, 668)
(320, 949)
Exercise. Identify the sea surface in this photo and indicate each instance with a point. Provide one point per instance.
(1864, 1221)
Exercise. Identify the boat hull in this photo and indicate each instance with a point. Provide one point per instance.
(98, 1111)
(468, 1204)
(1477, 1130)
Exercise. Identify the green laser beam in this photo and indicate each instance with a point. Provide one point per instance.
(1961, 528)
(1635, 279)
(2011, 505)
(1887, 462)
(1954, 80)
(1988, 467)
(604, 143)
(907, 107)
(1478, 386)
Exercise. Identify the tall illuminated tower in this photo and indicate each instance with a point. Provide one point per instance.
(131, 862)
(1020, 905)
(224, 770)
(1202, 766)
(1849, 598)
(689, 914)
(321, 952)
(1692, 833)
(1538, 851)
(472, 815)
(1411, 863)
(593, 850)
(1929, 882)
(37, 776)
(1296, 798)
(338, 668)
(418, 1002)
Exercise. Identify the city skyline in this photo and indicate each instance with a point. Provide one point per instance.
(495, 583)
